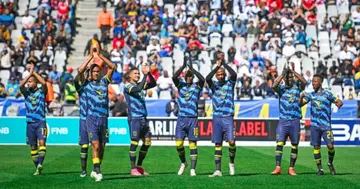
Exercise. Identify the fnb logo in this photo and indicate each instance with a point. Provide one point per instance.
(4, 130)
(118, 131)
(59, 131)
(342, 132)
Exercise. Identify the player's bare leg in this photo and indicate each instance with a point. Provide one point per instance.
(317, 156)
(96, 173)
(232, 153)
(142, 154)
(293, 157)
(181, 152)
(193, 157)
(101, 151)
(218, 155)
(132, 154)
(331, 153)
(279, 151)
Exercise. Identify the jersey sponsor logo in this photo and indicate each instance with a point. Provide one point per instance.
(100, 93)
(343, 132)
(4, 130)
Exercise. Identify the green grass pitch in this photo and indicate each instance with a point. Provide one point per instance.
(253, 167)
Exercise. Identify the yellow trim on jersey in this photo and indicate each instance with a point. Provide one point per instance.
(107, 78)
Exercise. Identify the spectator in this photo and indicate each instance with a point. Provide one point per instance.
(350, 94)
(334, 70)
(257, 90)
(356, 16)
(308, 4)
(3, 92)
(5, 36)
(172, 108)
(164, 83)
(153, 49)
(346, 24)
(7, 19)
(70, 92)
(32, 59)
(120, 108)
(321, 69)
(239, 29)
(288, 49)
(91, 43)
(129, 60)
(347, 68)
(301, 36)
(269, 91)
(54, 75)
(246, 90)
(5, 59)
(12, 88)
(27, 21)
(56, 107)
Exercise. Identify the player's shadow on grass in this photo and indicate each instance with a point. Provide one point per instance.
(115, 174)
(122, 178)
(314, 173)
(63, 172)
(240, 174)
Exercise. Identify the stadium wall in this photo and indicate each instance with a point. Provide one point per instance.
(249, 132)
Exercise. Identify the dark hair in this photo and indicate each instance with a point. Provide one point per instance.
(133, 69)
(92, 67)
(319, 76)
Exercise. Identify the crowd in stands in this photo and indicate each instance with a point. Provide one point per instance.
(258, 37)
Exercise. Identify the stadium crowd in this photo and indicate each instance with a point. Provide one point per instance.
(258, 37)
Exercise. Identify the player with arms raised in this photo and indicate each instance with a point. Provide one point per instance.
(97, 113)
(81, 80)
(321, 101)
(290, 115)
(35, 117)
(187, 121)
(223, 105)
(139, 128)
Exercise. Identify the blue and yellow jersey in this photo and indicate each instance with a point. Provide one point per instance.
(97, 97)
(136, 101)
(320, 108)
(35, 105)
(80, 88)
(289, 102)
(188, 99)
(223, 98)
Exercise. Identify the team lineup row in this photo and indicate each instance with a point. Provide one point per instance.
(93, 100)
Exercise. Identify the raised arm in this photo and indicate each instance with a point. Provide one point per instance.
(152, 82)
(299, 76)
(41, 81)
(233, 74)
(23, 83)
(110, 65)
(198, 75)
(212, 73)
(83, 66)
(303, 99)
(277, 81)
(175, 77)
(141, 86)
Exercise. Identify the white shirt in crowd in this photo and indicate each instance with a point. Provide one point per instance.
(152, 47)
(288, 50)
(346, 55)
(356, 16)
(164, 82)
(27, 21)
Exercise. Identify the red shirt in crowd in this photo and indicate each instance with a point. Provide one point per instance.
(63, 10)
(118, 42)
(308, 4)
(274, 4)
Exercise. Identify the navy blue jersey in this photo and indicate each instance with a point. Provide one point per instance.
(188, 99)
(136, 102)
(97, 97)
(289, 102)
(80, 88)
(35, 105)
(320, 108)
(223, 98)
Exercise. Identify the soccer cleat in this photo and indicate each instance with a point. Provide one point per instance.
(320, 172)
(182, 168)
(39, 168)
(217, 173)
(83, 174)
(231, 169)
(192, 172)
(332, 169)
(135, 172)
(291, 171)
(141, 170)
(98, 177)
(277, 171)
(93, 174)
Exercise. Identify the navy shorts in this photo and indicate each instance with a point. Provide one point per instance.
(139, 128)
(97, 128)
(187, 126)
(288, 128)
(318, 133)
(36, 131)
(223, 129)
(83, 134)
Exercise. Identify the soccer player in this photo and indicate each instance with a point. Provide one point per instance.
(36, 129)
(223, 106)
(187, 121)
(97, 112)
(80, 82)
(139, 128)
(321, 101)
(290, 115)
